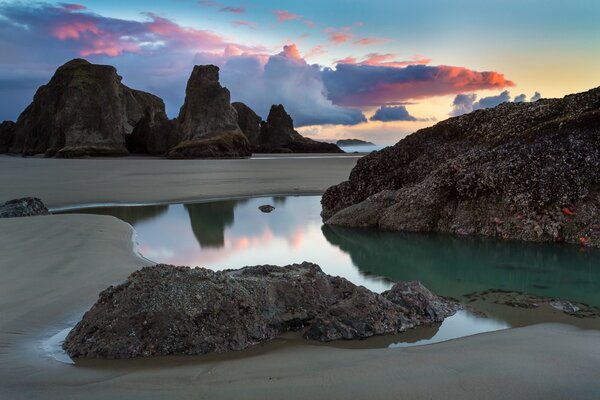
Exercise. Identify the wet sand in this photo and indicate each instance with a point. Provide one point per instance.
(60, 182)
(53, 268)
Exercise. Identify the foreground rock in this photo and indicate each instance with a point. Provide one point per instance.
(25, 207)
(277, 134)
(208, 122)
(528, 171)
(164, 310)
(84, 110)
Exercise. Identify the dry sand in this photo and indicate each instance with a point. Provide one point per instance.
(53, 267)
(60, 182)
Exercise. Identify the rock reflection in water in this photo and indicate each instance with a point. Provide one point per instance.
(454, 266)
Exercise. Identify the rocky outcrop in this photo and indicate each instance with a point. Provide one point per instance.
(25, 207)
(83, 110)
(248, 121)
(208, 123)
(7, 135)
(165, 310)
(528, 171)
(277, 134)
(155, 134)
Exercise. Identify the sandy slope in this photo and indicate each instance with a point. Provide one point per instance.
(60, 182)
(53, 267)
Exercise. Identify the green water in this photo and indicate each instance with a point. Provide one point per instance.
(234, 233)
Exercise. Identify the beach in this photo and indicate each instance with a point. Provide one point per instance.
(53, 268)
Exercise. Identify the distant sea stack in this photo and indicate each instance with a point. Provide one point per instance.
(353, 142)
(84, 110)
(527, 171)
(277, 134)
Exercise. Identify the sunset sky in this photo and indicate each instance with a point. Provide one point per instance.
(376, 70)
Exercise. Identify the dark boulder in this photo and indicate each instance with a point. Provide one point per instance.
(25, 207)
(528, 171)
(165, 310)
(84, 110)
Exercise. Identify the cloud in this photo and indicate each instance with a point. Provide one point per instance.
(339, 37)
(72, 7)
(283, 15)
(466, 103)
(367, 41)
(245, 23)
(222, 7)
(384, 60)
(288, 79)
(373, 85)
(535, 97)
(393, 113)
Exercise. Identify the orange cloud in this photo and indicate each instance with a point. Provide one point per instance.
(370, 41)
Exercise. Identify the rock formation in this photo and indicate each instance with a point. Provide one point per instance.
(25, 207)
(7, 134)
(277, 134)
(248, 121)
(528, 171)
(83, 110)
(208, 123)
(165, 310)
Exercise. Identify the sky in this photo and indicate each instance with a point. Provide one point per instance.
(374, 70)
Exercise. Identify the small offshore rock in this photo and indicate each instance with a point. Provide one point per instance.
(24, 207)
(266, 208)
(164, 310)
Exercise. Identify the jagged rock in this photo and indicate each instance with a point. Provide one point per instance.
(528, 171)
(7, 134)
(164, 310)
(248, 121)
(83, 110)
(277, 135)
(207, 120)
(24, 207)
(266, 208)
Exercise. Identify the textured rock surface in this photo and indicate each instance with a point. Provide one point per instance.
(7, 134)
(248, 121)
(208, 123)
(528, 171)
(277, 135)
(165, 310)
(25, 207)
(83, 110)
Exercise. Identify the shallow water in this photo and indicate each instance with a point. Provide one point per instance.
(234, 233)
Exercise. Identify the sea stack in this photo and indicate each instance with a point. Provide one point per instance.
(527, 171)
(277, 134)
(208, 123)
(84, 110)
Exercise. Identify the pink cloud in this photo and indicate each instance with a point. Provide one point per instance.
(74, 29)
(366, 41)
(384, 60)
(283, 15)
(291, 51)
(245, 23)
(315, 51)
(340, 37)
(73, 7)
(361, 85)
(234, 10)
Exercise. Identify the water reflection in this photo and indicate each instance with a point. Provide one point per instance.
(234, 233)
(454, 266)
